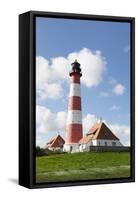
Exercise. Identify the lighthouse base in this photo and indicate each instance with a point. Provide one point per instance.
(71, 148)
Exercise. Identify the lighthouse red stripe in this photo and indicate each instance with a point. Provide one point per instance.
(74, 103)
(74, 133)
(75, 79)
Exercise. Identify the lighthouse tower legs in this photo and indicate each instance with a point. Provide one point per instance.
(74, 119)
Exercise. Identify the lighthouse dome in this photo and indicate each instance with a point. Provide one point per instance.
(76, 66)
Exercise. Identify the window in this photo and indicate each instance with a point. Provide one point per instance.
(105, 143)
(98, 143)
(70, 148)
(113, 143)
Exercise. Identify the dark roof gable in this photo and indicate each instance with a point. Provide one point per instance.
(98, 131)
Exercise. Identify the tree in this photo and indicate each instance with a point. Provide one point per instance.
(39, 151)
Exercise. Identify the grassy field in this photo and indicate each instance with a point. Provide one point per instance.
(82, 166)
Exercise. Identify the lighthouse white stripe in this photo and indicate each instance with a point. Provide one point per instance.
(74, 117)
(74, 89)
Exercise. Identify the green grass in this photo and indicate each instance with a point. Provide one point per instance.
(82, 166)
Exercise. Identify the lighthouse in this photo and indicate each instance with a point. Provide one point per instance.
(74, 118)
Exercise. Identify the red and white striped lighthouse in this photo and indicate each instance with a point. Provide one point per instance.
(74, 119)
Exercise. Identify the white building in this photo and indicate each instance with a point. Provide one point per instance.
(55, 143)
(99, 135)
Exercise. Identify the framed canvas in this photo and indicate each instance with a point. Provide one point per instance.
(76, 99)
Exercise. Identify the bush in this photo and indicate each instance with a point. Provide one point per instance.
(43, 152)
(39, 151)
(53, 152)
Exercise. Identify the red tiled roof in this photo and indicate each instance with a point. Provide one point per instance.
(98, 131)
(56, 141)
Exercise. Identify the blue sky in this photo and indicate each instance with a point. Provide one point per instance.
(60, 37)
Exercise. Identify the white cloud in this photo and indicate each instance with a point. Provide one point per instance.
(45, 86)
(42, 71)
(122, 132)
(60, 68)
(50, 75)
(48, 124)
(61, 118)
(104, 94)
(50, 78)
(48, 121)
(40, 141)
(88, 121)
(115, 107)
(119, 89)
(52, 91)
(44, 119)
(93, 66)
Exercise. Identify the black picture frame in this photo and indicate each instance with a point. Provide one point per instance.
(27, 100)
